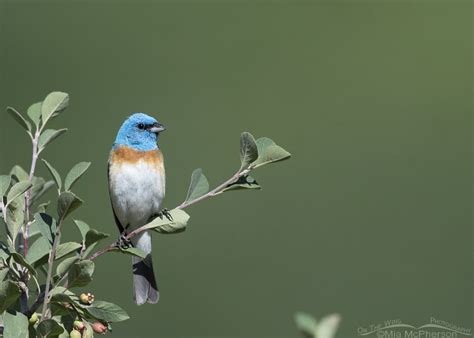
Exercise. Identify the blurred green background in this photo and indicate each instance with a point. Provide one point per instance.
(371, 217)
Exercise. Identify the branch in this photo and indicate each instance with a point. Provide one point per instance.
(216, 191)
(49, 275)
(34, 159)
(3, 208)
(24, 243)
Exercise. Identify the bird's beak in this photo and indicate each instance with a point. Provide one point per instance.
(156, 128)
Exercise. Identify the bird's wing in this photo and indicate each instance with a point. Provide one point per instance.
(117, 222)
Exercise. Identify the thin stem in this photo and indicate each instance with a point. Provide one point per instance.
(3, 207)
(49, 275)
(34, 159)
(102, 251)
(23, 244)
(217, 190)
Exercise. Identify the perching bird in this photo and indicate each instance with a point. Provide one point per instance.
(137, 187)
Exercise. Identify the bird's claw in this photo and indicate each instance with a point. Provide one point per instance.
(123, 242)
(165, 212)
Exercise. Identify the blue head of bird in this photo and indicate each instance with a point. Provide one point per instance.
(140, 132)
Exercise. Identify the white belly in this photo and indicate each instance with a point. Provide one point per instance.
(137, 191)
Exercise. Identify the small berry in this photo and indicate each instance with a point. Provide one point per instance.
(98, 327)
(87, 298)
(75, 334)
(33, 318)
(78, 325)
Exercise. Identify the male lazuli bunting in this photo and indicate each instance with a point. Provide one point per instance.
(137, 187)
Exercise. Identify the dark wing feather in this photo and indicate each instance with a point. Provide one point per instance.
(117, 222)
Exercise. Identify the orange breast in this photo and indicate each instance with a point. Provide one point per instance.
(126, 155)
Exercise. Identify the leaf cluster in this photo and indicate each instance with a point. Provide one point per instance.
(37, 269)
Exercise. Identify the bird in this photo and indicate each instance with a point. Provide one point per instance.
(136, 177)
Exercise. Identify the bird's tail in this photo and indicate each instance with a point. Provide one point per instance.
(144, 282)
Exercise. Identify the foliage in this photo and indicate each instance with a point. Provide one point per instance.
(326, 327)
(39, 272)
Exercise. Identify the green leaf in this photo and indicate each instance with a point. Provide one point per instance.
(34, 113)
(53, 103)
(88, 332)
(248, 149)
(244, 182)
(32, 332)
(89, 250)
(67, 203)
(94, 236)
(49, 328)
(59, 295)
(48, 136)
(37, 186)
(83, 228)
(19, 173)
(4, 274)
(42, 206)
(33, 231)
(199, 185)
(107, 312)
(65, 249)
(19, 259)
(132, 251)
(47, 226)
(16, 325)
(54, 173)
(80, 273)
(46, 186)
(75, 173)
(4, 254)
(268, 152)
(9, 293)
(60, 290)
(60, 299)
(4, 184)
(17, 190)
(19, 118)
(38, 252)
(306, 324)
(65, 321)
(65, 265)
(165, 226)
(328, 325)
(15, 217)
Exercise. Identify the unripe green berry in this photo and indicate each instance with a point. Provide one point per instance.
(86, 298)
(34, 318)
(78, 325)
(75, 334)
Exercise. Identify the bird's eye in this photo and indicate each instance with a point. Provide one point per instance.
(141, 126)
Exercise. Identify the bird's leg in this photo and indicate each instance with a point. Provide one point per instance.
(123, 242)
(165, 212)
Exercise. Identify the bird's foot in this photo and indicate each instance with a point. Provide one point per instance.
(123, 242)
(165, 212)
